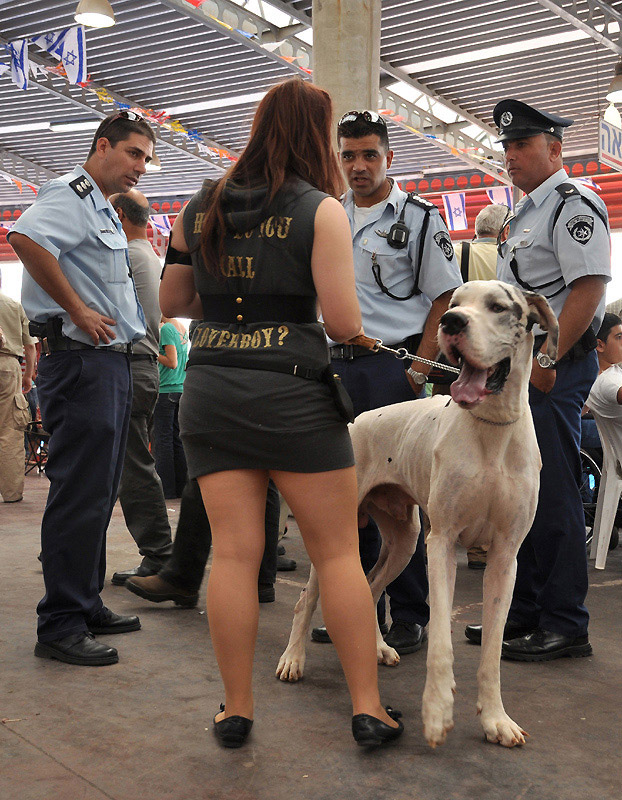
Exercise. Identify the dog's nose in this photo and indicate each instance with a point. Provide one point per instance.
(453, 322)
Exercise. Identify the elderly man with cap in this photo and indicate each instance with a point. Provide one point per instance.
(557, 244)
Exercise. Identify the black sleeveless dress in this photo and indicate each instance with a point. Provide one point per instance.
(236, 412)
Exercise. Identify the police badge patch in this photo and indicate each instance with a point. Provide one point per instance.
(444, 242)
(581, 228)
(506, 118)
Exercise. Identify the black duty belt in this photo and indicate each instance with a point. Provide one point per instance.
(231, 309)
(64, 343)
(347, 352)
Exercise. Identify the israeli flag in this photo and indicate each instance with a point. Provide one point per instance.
(161, 224)
(19, 62)
(500, 195)
(589, 183)
(70, 46)
(455, 211)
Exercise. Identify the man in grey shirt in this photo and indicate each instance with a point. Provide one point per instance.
(140, 490)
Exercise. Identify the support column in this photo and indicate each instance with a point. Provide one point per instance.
(346, 52)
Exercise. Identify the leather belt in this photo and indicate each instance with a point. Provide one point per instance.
(144, 357)
(63, 343)
(347, 352)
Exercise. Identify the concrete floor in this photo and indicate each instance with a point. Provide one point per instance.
(142, 728)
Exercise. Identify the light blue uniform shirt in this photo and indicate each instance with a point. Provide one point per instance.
(383, 317)
(85, 236)
(578, 245)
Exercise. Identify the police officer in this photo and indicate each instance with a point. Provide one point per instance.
(79, 293)
(558, 245)
(405, 272)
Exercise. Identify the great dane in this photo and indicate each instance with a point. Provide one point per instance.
(471, 463)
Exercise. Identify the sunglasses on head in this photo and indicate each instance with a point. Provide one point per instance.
(131, 115)
(368, 116)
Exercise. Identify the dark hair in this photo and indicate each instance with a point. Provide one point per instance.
(136, 213)
(609, 321)
(290, 136)
(121, 129)
(361, 127)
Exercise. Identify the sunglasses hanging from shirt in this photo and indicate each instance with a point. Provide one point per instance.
(397, 237)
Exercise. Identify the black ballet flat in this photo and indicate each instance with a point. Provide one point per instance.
(370, 731)
(232, 731)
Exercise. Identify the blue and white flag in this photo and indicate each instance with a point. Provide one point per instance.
(19, 62)
(161, 224)
(500, 195)
(70, 46)
(455, 211)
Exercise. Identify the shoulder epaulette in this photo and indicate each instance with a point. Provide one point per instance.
(411, 197)
(82, 186)
(567, 190)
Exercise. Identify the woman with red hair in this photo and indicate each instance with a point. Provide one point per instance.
(252, 255)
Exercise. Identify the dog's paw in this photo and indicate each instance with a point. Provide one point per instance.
(387, 655)
(291, 667)
(437, 712)
(501, 729)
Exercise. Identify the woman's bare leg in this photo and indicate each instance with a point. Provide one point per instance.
(235, 502)
(325, 507)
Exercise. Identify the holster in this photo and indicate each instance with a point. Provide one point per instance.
(341, 398)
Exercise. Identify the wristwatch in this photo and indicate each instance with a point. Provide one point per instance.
(418, 377)
(546, 362)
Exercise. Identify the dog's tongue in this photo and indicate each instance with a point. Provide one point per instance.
(470, 385)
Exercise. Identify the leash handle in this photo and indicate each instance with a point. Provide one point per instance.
(365, 341)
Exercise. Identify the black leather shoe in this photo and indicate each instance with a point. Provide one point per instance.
(266, 592)
(232, 731)
(369, 731)
(109, 622)
(157, 590)
(285, 564)
(405, 637)
(545, 646)
(511, 631)
(280, 550)
(119, 578)
(80, 649)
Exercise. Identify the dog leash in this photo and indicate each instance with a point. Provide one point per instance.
(375, 345)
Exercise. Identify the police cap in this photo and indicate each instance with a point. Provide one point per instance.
(517, 120)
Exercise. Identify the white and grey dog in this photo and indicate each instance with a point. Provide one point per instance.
(472, 464)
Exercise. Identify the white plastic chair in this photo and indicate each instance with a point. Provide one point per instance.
(609, 492)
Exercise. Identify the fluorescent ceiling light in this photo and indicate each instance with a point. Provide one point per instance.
(224, 102)
(94, 13)
(70, 127)
(30, 126)
(506, 49)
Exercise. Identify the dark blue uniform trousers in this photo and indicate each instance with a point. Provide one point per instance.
(373, 381)
(551, 581)
(85, 398)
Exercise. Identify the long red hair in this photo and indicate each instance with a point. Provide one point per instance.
(291, 136)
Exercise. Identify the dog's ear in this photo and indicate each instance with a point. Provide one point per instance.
(540, 312)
